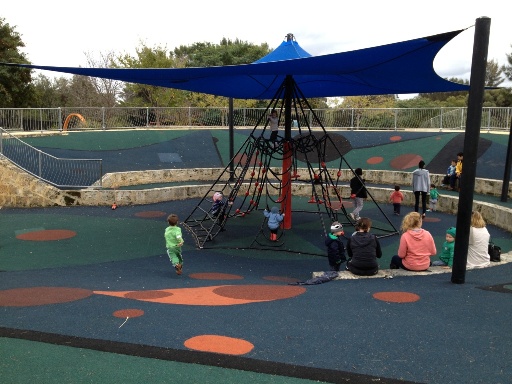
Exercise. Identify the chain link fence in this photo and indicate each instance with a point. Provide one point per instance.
(67, 119)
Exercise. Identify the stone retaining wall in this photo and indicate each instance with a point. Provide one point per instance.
(22, 190)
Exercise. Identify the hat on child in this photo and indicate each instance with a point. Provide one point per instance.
(451, 231)
(336, 227)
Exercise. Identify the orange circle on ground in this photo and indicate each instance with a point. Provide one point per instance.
(282, 279)
(259, 292)
(408, 160)
(215, 276)
(219, 344)
(124, 313)
(27, 297)
(375, 160)
(395, 138)
(47, 235)
(396, 297)
(150, 214)
(147, 295)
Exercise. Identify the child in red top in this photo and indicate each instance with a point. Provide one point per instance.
(396, 198)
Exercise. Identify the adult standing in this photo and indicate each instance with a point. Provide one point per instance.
(416, 247)
(478, 251)
(420, 186)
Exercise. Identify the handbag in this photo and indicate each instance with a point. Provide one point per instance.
(494, 252)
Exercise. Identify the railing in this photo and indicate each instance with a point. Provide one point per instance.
(61, 173)
(59, 119)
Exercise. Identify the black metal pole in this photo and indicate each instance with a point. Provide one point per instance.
(506, 174)
(471, 137)
(231, 139)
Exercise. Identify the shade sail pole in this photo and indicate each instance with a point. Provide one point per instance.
(471, 137)
(286, 204)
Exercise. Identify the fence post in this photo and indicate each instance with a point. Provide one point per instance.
(352, 119)
(103, 123)
(488, 120)
(189, 117)
(60, 119)
(396, 118)
(441, 120)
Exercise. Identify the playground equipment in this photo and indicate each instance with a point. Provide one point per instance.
(262, 173)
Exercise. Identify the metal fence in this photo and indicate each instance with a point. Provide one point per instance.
(61, 173)
(58, 119)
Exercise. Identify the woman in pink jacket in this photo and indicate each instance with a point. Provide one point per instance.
(416, 245)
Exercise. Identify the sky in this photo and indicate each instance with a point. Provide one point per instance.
(61, 32)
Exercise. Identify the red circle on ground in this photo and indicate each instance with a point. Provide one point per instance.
(395, 138)
(408, 160)
(147, 295)
(150, 214)
(259, 292)
(27, 297)
(396, 297)
(124, 313)
(282, 279)
(428, 219)
(215, 276)
(375, 160)
(47, 235)
(219, 344)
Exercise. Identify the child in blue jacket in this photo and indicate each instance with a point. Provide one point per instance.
(274, 221)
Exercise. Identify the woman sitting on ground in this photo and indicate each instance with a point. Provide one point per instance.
(478, 251)
(416, 245)
(363, 250)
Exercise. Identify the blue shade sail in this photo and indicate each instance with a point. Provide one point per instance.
(399, 68)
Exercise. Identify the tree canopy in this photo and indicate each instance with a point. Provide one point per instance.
(15, 83)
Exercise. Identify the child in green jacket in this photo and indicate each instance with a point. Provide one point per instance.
(446, 256)
(434, 196)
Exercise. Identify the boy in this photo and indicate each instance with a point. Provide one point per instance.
(449, 172)
(446, 256)
(335, 247)
(173, 243)
(434, 196)
(396, 198)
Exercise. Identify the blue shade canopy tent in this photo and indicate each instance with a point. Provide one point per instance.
(399, 68)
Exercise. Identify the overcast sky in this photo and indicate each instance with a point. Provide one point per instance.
(59, 32)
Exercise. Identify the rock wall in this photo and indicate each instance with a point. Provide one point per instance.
(19, 189)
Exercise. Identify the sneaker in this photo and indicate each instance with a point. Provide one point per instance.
(428, 210)
(178, 268)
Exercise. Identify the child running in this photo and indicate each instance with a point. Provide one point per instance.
(396, 198)
(174, 242)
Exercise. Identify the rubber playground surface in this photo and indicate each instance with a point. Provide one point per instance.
(87, 294)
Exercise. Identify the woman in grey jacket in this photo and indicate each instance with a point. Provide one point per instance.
(420, 186)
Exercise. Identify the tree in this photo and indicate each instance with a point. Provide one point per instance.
(146, 95)
(15, 88)
(108, 90)
(493, 74)
(507, 69)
